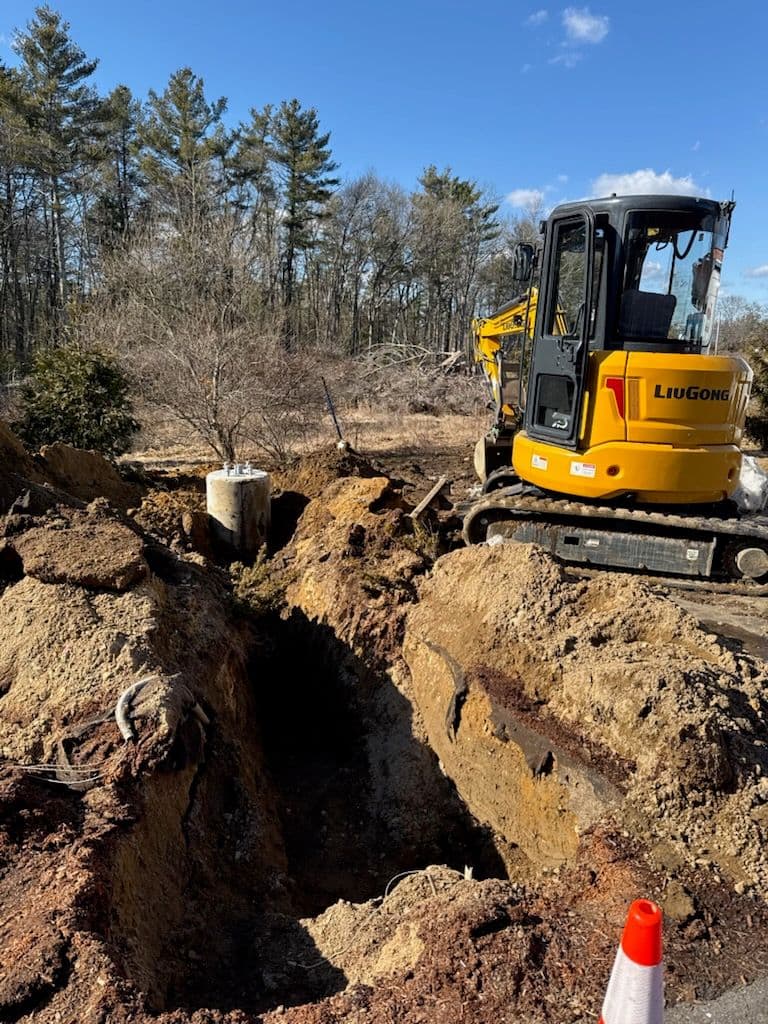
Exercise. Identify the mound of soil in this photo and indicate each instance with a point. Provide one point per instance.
(177, 518)
(86, 475)
(586, 724)
(87, 548)
(352, 562)
(598, 698)
(61, 470)
(311, 474)
(14, 457)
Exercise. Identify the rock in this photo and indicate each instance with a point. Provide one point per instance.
(678, 903)
(99, 554)
(196, 528)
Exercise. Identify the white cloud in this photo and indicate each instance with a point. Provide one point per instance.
(525, 69)
(696, 146)
(526, 198)
(562, 179)
(581, 26)
(761, 271)
(569, 59)
(537, 18)
(646, 182)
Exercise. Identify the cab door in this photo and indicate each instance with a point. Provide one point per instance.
(558, 367)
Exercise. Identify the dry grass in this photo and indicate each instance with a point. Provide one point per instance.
(372, 431)
(369, 430)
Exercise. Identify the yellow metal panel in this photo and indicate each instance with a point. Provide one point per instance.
(603, 422)
(653, 473)
(687, 400)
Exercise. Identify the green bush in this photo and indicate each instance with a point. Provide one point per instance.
(79, 397)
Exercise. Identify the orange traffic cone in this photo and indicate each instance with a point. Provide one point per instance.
(635, 993)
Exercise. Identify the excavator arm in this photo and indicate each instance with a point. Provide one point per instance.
(499, 349)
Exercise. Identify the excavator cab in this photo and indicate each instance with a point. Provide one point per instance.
(629, 274)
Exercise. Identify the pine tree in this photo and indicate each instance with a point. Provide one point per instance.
(119, 177)
(254, 192)
(18, 219)
(62, 113)
(453, 226)
(305, 167)
(183, 136)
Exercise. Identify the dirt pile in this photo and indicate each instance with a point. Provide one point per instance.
(122, 857)
(177, 518)
(590, 699)
(59, 470)
(86, 475)
(108, 878)
(264, 773)
(14, 457)
(352, 563)
(18, 472)
(440, 947)
(309, 475)
(88, 548)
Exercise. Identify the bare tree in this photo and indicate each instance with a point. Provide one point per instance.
(188, 320)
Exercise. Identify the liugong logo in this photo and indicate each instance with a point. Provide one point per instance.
(693, 393)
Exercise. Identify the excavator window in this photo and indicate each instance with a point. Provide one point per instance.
(566, 317)
(569, 272)
(670, 282)
(554, 402)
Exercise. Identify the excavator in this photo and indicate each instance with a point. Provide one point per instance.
(618, 427)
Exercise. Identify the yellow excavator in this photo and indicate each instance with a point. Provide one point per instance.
(617, 432)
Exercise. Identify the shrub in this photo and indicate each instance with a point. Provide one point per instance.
(261, 586)
(79, 397)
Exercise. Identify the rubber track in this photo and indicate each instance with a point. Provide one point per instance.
(528, 506)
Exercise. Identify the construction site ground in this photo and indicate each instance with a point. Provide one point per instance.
(374, 776)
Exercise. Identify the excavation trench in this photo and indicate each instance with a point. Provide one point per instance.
(321, 793)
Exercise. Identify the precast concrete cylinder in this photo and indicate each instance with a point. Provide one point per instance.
(238, 501)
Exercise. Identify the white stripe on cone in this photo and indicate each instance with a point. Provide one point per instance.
(635, 994)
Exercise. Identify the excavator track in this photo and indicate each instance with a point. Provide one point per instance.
(543, 519)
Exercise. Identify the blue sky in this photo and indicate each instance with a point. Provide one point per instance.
(558, 100)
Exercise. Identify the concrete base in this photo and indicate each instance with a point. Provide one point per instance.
(238, 502)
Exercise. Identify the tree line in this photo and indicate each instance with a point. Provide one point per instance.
(92, 188)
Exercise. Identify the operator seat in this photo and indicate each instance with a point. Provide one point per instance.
(646, 314)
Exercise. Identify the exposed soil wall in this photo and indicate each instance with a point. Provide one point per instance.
(620, 705)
